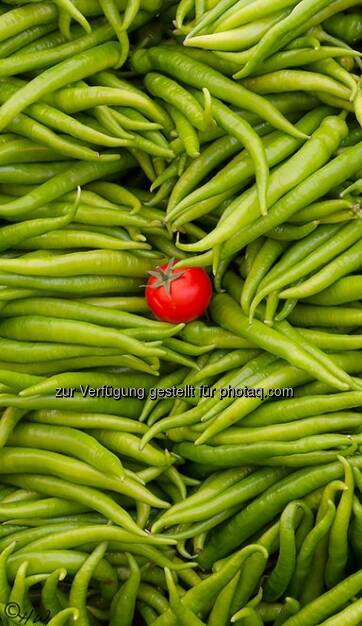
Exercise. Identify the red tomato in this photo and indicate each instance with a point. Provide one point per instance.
(178, 295)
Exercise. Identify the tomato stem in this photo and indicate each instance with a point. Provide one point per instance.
(165, 277)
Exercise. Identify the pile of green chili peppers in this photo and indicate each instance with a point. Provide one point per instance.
(224, 134)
